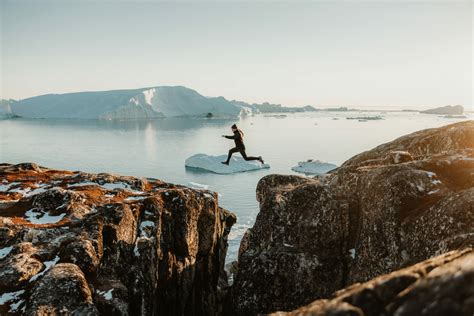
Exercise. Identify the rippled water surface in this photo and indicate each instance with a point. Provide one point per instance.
(158, 148)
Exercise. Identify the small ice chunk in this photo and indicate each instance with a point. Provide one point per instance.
(198, 185)
(213, 164)
(315, 167)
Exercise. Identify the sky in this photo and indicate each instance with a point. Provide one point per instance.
(394, 54)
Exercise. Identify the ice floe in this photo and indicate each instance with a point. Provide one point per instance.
(313, 167)
(213, 164)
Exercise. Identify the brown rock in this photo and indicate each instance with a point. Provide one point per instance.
(382, 210)
(439, 286)
(89, 244)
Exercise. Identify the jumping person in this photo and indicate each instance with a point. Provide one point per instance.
(239, 146)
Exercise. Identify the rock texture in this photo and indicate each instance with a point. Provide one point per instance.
(439, 286)
(395, 205)
(101, 244)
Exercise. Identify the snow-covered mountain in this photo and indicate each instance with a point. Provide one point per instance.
(154, 102)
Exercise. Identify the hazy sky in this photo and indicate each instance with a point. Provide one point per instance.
(384, 53)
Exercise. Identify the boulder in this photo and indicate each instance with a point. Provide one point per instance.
(90, 244)
(395, 205)
(443, 285)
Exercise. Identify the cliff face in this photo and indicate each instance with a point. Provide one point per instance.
(382, 210)
(443, 285)
(90, 244)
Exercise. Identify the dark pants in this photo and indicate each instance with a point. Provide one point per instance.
(242, 152)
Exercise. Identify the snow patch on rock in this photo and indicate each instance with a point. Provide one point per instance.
(36, 216)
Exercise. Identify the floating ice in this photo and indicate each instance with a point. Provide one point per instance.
(213, 164)
(198, 185)
(314, 167)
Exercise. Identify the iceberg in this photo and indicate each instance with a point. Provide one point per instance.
(213, 164)
(144, 103)
(314, 167)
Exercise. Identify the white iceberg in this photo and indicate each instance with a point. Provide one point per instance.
(214, 164)
(152, 102)
(314, 167)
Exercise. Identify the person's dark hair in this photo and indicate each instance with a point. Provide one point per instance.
(234, 126)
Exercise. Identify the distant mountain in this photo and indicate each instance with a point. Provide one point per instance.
(446, 110)
(154, 102)
(272, 108)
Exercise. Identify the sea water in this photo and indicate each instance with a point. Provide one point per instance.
(158, 148)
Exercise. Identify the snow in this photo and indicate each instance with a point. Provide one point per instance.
(47, 266)
(135, 198)
(106, 294)
(10, 296)
(107, 186)
(313, 167)
(352, 253)
(36, 216)
(5, 251)
(6, 187)
(149, 95)
(213, 164)
(431, 175)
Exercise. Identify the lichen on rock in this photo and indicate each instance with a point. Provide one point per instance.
(395, 205)
(100, 244)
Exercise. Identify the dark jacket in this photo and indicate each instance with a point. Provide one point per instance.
(238, 139)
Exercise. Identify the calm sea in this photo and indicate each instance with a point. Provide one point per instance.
(158, 148)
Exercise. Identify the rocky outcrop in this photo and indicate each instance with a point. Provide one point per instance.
(447, 110)
(382, 210)
(439, 286)
(101, 244)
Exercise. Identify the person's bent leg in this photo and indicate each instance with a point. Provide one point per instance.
(244, 155)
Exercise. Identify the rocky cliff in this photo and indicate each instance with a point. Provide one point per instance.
(443, 285)
(101, 244)
(395, 205)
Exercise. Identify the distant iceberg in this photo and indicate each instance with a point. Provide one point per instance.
(314, 167)
(153, 102)
(213, 164)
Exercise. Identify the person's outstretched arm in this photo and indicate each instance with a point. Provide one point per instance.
(229, 137)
